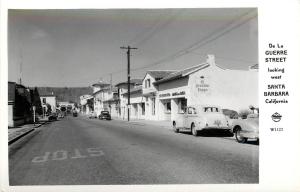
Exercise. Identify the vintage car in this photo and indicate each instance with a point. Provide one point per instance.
(53, 116)
(197, 118)
(104, 115)
(247, 128)
(75, 113)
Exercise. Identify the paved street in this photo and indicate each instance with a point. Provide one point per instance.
(78, 150)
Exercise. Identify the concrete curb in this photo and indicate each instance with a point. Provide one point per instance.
(20, 136)
(25, 133)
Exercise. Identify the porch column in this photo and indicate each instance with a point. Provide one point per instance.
(174, 108)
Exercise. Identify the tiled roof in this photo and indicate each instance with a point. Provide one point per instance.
(182, 73)
(114, 89)
(132, 81)
(100, 84)
(135, 89)
(156, 74)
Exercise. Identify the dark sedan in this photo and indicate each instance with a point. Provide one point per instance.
(105, 115)
(75, 114)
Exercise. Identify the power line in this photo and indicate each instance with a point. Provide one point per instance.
(202, 42)
(141, 34)
(197, 45)
(159, 28)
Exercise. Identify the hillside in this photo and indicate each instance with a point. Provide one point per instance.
(70, 94)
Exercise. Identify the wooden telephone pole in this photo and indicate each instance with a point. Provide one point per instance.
(128, 76)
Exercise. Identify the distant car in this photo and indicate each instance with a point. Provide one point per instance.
(52, 117)
(197, 118)
(248, 128)
(105, 115)
(75, 114)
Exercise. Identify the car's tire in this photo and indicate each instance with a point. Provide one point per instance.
(194, 131)
(238, 136)
(175, 129)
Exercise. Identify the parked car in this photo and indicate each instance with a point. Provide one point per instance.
(75, 114)
(197, 118)
(247, 128)
(52, 117)
(105, 115)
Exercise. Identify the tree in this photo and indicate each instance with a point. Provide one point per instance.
(37, 102)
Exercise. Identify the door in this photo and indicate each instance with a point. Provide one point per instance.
(190, 117)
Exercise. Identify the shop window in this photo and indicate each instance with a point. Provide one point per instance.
(167, 107)
(143, 108)
(182, 105)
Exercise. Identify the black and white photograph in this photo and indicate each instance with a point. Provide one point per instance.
(133, 96)
(149, 97)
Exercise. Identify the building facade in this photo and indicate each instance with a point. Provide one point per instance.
(85, 104)
(19, 104)
(99, 95)
(48, 100)
(136, 109)
(163, 94)
(206, 84)
(150, 90)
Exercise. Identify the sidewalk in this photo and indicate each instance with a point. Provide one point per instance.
(164, 124)
(15, 133)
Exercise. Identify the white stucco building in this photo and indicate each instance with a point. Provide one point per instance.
(99, 90)
(163, 94)
(84, 106)
(48, 99)
(137, 108)
(150, 92)
(206, 83)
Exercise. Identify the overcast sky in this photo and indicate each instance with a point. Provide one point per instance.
(79, 47)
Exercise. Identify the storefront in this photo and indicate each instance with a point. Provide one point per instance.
(172, 97)
(137, 104)
(152, 106)
(206, 84)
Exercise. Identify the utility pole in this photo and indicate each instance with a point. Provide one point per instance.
(128, 76)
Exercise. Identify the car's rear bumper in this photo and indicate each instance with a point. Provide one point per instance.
(106, 118)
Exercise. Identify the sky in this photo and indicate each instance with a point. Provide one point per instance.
(79, 47)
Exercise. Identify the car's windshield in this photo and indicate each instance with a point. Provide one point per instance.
(105, 112)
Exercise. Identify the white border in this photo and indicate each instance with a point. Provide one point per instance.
(279, 153)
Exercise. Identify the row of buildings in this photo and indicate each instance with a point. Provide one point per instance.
(162, 94)
(22, 101)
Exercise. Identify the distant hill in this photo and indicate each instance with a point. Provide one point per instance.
(70, 94)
